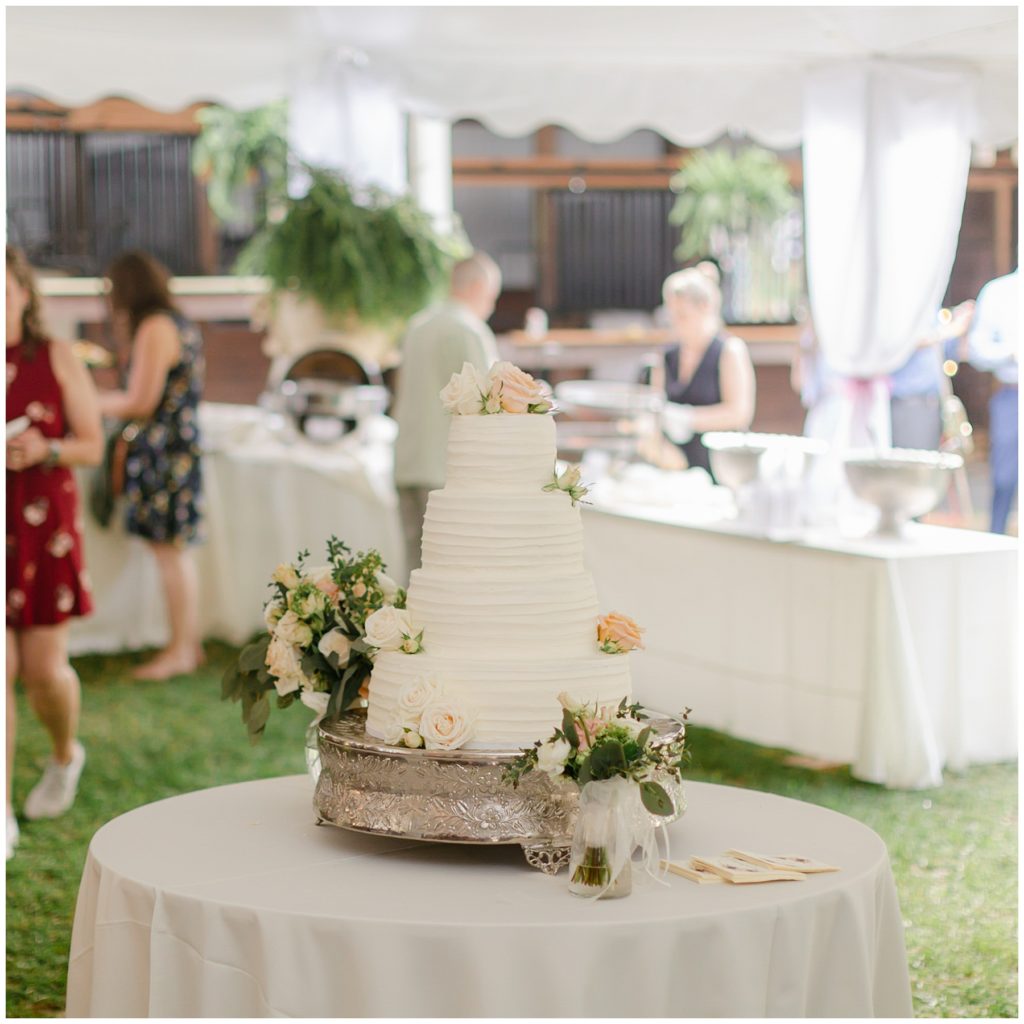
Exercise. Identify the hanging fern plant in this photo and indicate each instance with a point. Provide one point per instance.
(365, 255)
(722, 195)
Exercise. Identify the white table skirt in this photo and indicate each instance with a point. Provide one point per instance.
(231, 902)
(898, 657)
(265, 500)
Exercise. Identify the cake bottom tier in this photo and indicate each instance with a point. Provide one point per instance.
(514, 705)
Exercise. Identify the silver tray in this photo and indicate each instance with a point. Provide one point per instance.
(444, 796)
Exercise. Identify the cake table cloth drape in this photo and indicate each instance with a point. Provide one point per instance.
(231, 902)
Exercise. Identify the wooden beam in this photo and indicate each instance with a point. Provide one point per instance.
(113, 114)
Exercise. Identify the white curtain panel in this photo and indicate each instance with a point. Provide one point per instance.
(342, 118)
(886, 156)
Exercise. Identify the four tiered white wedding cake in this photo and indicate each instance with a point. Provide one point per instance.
(507, 610)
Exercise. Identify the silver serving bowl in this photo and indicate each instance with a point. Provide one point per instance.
(314, 400)
(736, 456)
(902, 483)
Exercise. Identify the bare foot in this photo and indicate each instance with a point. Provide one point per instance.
(166, 665)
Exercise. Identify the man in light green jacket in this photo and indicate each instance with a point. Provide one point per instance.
(435, 345)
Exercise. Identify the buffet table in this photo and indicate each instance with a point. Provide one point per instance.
(268, 495)
(231, 902)
(898, 657)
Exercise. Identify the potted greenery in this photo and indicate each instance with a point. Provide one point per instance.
(729, 205)
(347, 266)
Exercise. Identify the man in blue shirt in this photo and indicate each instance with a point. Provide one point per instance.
(992, 346)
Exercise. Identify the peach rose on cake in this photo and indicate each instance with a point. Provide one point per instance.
(618, 634)
(517, 390)
(463, 395)
(446, 725)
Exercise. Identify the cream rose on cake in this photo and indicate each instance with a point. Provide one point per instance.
(388, 628)
(465, 393)
(416, 695)
(446, 724)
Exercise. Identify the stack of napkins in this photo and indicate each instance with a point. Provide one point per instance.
(742, 867)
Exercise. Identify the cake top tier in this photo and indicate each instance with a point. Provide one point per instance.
(501, 453)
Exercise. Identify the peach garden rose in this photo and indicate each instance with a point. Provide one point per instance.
(517, 390)
(618, 634)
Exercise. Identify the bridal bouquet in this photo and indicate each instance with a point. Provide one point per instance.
(625, 775)
(316, 648)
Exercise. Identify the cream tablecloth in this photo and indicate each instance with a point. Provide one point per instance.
(266, 499)
(898, 657)
(231, 902)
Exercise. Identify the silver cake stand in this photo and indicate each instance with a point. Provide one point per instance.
(443, 796)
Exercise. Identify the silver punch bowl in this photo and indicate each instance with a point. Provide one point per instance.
(736, 456)
(902, 483)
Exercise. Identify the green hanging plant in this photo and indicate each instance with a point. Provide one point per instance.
(724, 194)
(237, 149)
(363, 255)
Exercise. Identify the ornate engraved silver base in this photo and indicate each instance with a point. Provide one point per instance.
(443, 796)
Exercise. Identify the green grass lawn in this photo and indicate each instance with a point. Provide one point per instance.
(953, 850)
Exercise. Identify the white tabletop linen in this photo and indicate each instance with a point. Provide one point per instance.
(268, 495)
(231, 902)
(897, 656)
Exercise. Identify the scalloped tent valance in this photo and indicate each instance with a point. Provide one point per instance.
(690, 73)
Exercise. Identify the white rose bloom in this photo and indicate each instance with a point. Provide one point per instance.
(285, 664)
(272, 613)
(335, 642)
(394, 730)
(446, 725)
(551, 756)
(286, 575)
(463, 394)
(570, 478)
(386, 627)
(415, 695)
(315, 702)
(293, 630)
(388, 586)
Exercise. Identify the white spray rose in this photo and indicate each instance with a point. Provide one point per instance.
(415, 695)
(464, 394)
(569, 479)
(312, 603)
(335, 642)
(387, 627)
(293, 630)
(412, 739)
(388, 587)
(551, 756)
(446, 724)
(284, 662)
(286, 575)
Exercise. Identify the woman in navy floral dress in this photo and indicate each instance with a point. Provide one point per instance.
(163, 472)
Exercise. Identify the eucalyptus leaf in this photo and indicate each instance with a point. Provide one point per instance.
(254, 655)
(655, 799)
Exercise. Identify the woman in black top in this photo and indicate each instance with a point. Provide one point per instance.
(709, 378)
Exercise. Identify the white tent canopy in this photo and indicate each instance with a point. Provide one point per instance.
(690, 73)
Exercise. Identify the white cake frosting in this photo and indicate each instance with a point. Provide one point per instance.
(508, 611)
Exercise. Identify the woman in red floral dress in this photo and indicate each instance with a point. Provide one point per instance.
(53, 424)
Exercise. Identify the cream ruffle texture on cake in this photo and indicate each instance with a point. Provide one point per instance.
(507, 608)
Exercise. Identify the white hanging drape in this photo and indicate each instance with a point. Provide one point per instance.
(342, 118)
(886, 155)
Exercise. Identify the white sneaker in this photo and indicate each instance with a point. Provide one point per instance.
(13, 834)
(55, 792)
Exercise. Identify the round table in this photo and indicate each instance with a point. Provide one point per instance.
(232, 902)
